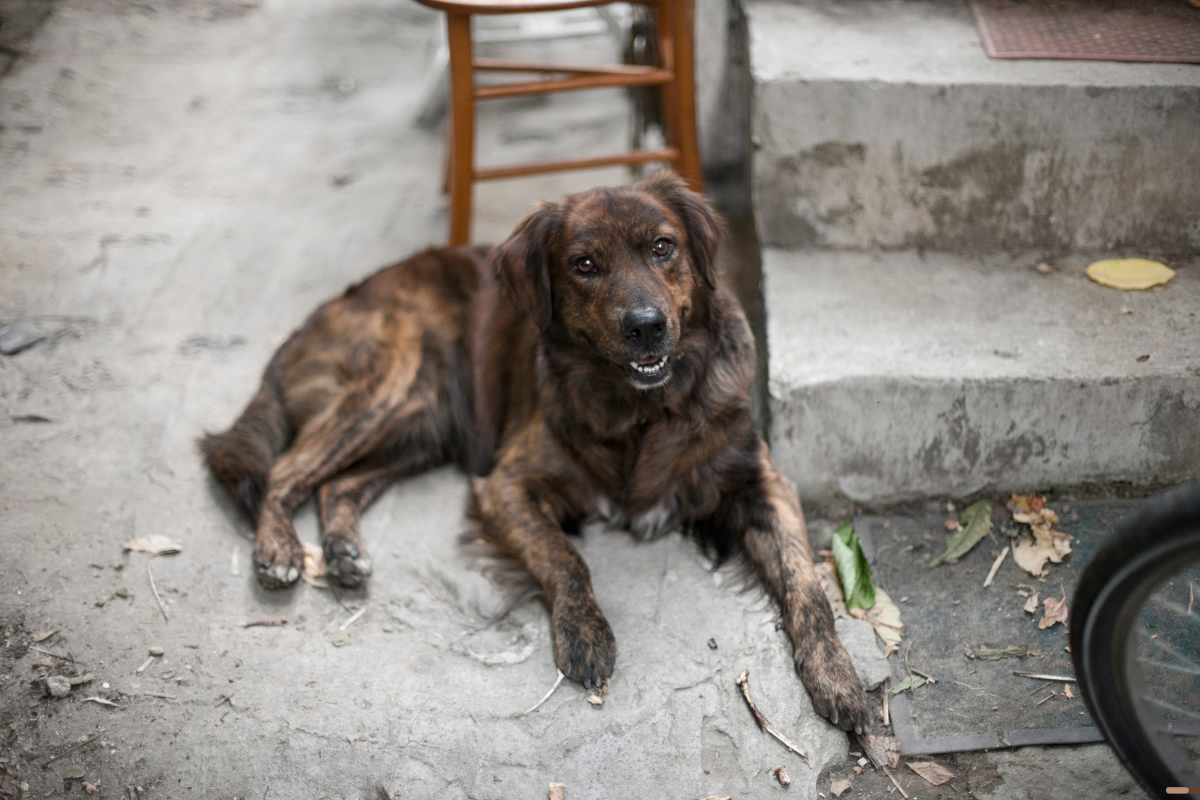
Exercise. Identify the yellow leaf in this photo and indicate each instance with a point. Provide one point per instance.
(1130, 273)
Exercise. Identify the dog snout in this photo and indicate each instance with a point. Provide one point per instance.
(644, 327)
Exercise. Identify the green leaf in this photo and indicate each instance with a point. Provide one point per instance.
(975, 523)
(853, 570)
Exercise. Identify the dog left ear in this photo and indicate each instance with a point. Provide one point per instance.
(703, 226)
(522, 263)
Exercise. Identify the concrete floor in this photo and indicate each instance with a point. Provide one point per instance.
(179, 184)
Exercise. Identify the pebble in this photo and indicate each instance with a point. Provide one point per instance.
(155, 650)
(58, 686)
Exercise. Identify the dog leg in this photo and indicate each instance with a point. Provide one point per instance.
(529, 531)
(343, 499)
(356, 424)
(776, 544)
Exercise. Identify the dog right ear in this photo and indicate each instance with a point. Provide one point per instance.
(522, 263)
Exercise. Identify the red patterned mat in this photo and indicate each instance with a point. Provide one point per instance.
(1165, 31)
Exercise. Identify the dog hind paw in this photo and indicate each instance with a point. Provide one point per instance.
(278, 567)
(346, 563)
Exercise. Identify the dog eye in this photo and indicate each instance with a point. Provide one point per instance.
(584, 265)
(662, 248)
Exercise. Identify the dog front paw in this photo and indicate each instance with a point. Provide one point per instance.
(584, 647)
(833, 685)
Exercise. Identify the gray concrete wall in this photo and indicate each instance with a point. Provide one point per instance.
(888, 127)
(722, 87)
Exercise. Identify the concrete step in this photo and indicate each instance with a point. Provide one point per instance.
(882, 124)
(895, 376)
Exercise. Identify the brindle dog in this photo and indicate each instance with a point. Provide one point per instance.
(588, 367)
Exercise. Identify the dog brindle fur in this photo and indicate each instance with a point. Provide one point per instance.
(588, 367)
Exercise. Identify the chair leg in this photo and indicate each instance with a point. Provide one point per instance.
(462, 126)
(682, 107)
(664, 29)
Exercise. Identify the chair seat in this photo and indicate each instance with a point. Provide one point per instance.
(512, 6)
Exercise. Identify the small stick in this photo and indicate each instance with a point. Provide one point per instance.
(761, 721)
(929, 678)
(159, 695)
(52, 655)
(265, 623)
(546, 697)
(157, 596)
(995, 568)
(1040, 677)
(895, 783)
(144, 665)
(100, 701)
(72, 748)
(353, 619)
(1047, 697)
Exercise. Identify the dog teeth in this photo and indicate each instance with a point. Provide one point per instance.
(650, 369)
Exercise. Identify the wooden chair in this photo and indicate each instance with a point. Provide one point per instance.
(675, 75)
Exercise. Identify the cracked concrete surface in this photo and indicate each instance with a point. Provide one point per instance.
(189, 180)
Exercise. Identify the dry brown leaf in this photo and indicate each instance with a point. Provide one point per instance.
(827, 573)
(782, 776)
(839, 786)
(557, 791)
(1031, 604)
(933, 773)
(884, 617)
(1056, 612)
(952, 524)
(884, 751)
(1046, 543)
(1067, 692)
(155, 544)
(314, 566)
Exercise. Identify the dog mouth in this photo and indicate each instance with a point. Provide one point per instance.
(650, 372)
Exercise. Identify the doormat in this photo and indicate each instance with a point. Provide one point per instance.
(1164, 31)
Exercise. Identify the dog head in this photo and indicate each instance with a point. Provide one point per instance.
(617, 272)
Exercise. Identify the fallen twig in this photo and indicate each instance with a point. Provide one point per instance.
(71, 748)
(154, 588)
(159, 695)
(145, 665)
(97, 699)
(761, 721)
(995, 568)
(353, 619)
(52, 655)
(928, 678)
(546, 697)
(265, 623)
(1047, 697)
(895, 782)
(1040, 677)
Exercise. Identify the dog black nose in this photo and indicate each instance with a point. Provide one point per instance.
(644, 327)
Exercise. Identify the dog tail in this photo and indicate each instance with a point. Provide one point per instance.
(241, 457)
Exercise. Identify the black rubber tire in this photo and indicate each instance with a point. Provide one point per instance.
(1161, 536)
